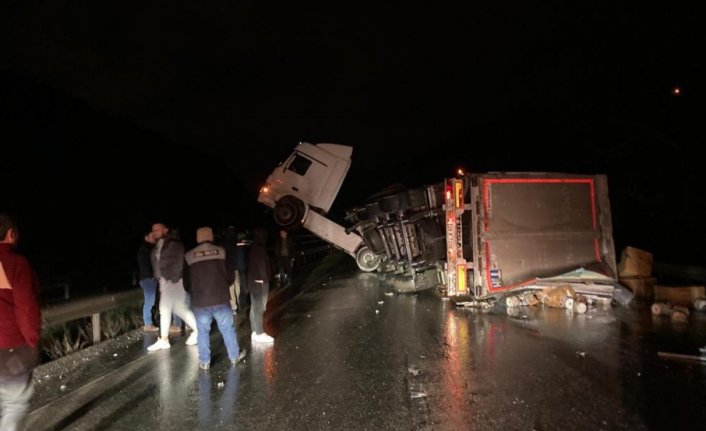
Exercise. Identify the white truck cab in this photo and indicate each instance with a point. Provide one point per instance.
(302, 189)
(312, 174)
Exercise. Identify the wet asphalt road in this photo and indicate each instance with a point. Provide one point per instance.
(343, 360)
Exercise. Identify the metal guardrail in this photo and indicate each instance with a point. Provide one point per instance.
(93, 307)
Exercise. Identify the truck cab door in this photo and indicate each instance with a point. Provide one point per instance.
(304, 176)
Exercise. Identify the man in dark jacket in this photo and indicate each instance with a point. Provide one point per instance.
(259, 271)
(147, 281)
(210, 277)
(168, 266)
(20, 326)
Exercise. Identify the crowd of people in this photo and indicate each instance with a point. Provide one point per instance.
(215, 280)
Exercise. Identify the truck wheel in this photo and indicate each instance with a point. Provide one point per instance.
(373, 240)
(367, 260)
(288, 212)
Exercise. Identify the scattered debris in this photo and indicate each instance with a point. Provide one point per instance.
(415, 395)
(377, 311)
(677, 314)
(581, 354)
(635, 263)
(483, 305)
(381, 302)
(641, 287)
(414, 370)
(62, 387)
(424, 357)
(558, 297)
(115, 355)
(389, 293)
(679, 295)
(699, 304)
(220, 385)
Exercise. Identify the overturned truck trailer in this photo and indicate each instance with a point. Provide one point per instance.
(485, 234)
(478, 235)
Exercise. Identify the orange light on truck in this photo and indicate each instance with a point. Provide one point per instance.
(460, 172)
(461, 278)
(458, 192)
(265, 189)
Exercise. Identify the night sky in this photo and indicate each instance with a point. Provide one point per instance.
(178, 111)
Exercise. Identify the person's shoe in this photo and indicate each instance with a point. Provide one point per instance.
(175, 329)
(159, 345)
(150, 328)
(204, 366)
(192, 340)
(264, 338)
(241, 356)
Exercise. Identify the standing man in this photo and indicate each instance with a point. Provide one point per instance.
(284, 251)
(20, 326)
(241, 278)
(168, 266)
(210, 278)
(147, 281)
(259, 270)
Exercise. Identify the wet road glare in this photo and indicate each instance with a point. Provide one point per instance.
(349, 354)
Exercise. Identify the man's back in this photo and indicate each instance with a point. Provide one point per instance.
(209, 275)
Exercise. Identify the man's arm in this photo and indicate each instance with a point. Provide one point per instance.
(25, 292)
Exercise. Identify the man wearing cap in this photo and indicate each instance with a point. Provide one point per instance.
(210, 297)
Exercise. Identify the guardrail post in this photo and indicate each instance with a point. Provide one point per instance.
(96, 320)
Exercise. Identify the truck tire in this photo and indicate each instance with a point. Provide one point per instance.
(367, 260)
(374, 240)
(288, 212)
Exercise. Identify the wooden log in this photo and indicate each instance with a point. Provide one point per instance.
(580, 303)
(556, 296)
(700, 304)
(661, 309)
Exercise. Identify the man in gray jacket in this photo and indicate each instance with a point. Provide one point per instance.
(210, 296)
(168, 264)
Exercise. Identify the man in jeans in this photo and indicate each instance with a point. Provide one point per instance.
(20, 326)
(168, 266)
(210, 296)
(147, 281)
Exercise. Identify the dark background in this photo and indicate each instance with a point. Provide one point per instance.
(116, 115)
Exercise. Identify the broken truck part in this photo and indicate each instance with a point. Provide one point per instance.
(478, 235)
